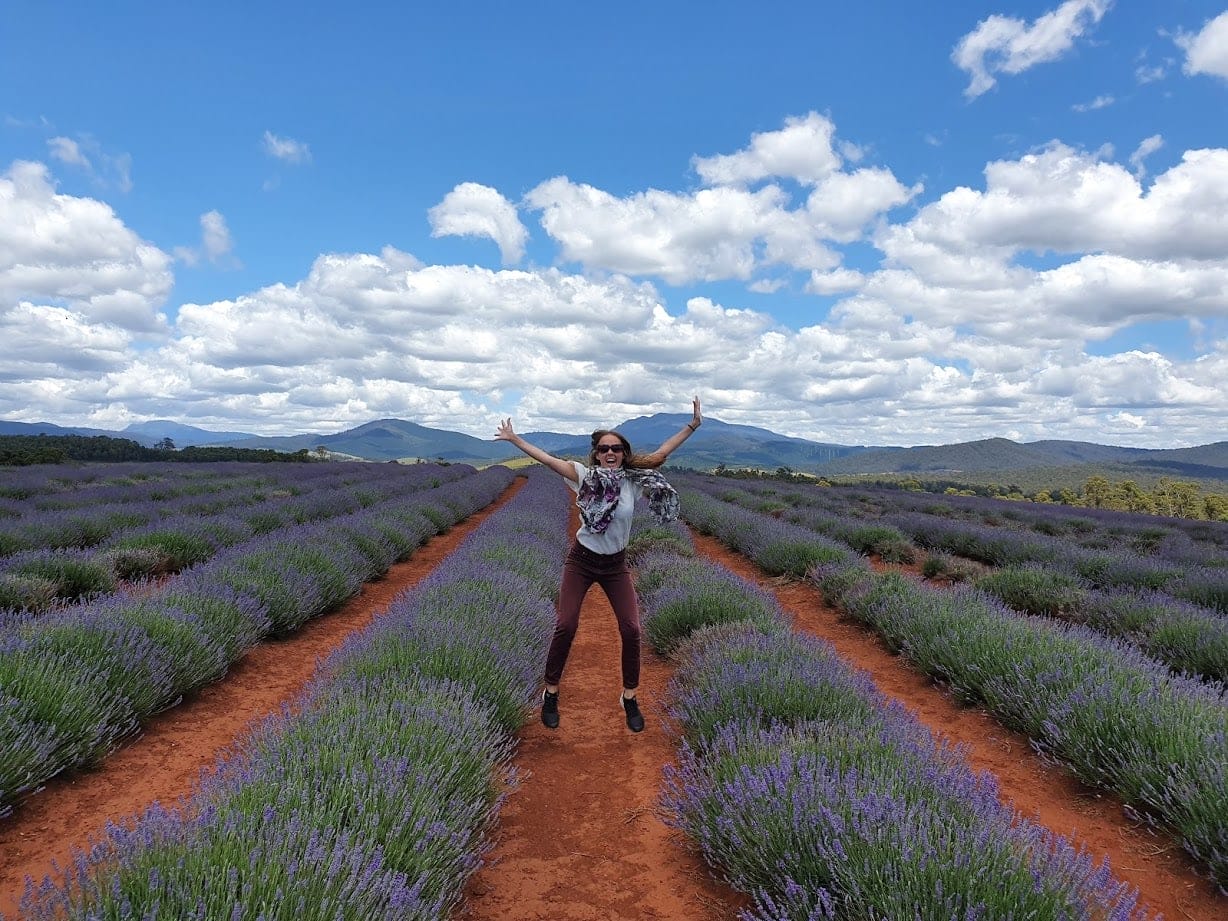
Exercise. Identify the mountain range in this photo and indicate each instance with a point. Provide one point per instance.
(715, 443)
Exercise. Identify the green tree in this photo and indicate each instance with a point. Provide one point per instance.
(1216, 507)
(1130, 497)
(1179, 498)
(1097, 492)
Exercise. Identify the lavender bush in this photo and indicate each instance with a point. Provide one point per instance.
(369, 806)
(777, 546)
(1034, 589)
(822, 801)
(1188, 637)
(1120, 719)
(680, 594)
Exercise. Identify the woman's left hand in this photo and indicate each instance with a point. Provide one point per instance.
(696, 416)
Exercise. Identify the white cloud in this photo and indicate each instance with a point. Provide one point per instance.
(1066, 201)
(836, 282)
(976, 322)
(66, 150)
(1100, 102)
(1145, 149)
(105, 169)
(215, 235)
(285, 149)
(727, 231)
(802, 150)
(1150, 73)
(1206, 52)
(365, 336)
(475, 210)
(1002, 44)
(706, 236)
(76, 252)
(216, 245)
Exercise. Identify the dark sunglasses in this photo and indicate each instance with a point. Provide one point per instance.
(605, 449)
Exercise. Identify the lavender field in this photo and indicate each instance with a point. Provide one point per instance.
(376, 794)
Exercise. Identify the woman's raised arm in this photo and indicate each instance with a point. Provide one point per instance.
(558, 465)
(671, 444)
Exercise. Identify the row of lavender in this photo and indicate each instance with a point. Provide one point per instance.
(812, 793)
(1180, 540)
(1117, 717)
(86, 510)
(90, 549)
(1174, 614)
(1124, 550)
(370, 797)
(75, 681)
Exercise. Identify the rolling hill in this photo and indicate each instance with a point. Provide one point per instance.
(714, 444)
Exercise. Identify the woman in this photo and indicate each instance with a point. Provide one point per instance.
(606, 491)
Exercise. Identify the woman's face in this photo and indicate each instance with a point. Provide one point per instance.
(609, 451)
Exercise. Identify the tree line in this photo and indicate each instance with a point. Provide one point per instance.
(23, 450)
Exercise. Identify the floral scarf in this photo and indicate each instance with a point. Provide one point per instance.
(601, 489)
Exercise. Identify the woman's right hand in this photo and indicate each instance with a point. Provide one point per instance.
(505, 432)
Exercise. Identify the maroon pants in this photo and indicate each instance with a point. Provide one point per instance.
(581, 569)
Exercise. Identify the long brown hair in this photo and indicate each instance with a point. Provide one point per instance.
(630, 459)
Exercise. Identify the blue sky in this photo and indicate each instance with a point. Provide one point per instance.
(874, 223)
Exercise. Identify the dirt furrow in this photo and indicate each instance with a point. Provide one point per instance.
(165, 762)
(581, 837)
(1049, 795)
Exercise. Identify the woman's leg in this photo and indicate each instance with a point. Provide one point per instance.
(620, 589)
(576, 581)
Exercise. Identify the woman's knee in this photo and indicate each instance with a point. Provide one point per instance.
(629, 629)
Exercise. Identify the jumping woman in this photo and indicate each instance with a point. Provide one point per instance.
(606, 491)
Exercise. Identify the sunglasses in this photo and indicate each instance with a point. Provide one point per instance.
(606, 449)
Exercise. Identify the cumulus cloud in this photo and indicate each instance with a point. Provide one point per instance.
(957, 283)
(728, 230)
(285, 149)
(839, 281)
(1206, 51)
(977, 320)
(473, 210)
(802, 150)
(62, 249)
(1005, 45)
(365, 336)
(1068, 201)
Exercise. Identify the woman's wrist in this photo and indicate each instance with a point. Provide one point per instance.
(692, 426)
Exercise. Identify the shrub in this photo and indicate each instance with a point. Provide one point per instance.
(27, 593)
(73, 577)
(1034, 590)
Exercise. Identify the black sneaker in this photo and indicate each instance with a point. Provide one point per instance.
(550, 709)
(635, 719)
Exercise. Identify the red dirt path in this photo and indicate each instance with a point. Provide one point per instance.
(167, 759)
(581, 838)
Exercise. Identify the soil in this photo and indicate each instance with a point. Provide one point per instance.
(581, 836)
